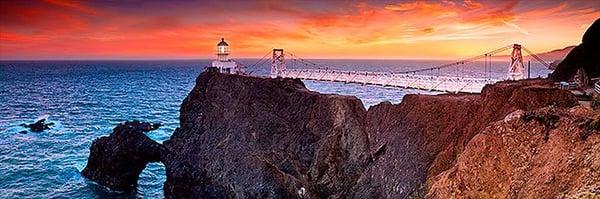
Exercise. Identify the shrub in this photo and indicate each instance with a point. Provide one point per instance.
(546, 118)
(589, 127)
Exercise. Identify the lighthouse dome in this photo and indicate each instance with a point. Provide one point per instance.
(222, 43)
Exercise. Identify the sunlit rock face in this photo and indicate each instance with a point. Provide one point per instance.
(546, 153)
(585, 56)
(424, 134)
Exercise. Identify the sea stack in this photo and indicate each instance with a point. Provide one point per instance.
(117, 160)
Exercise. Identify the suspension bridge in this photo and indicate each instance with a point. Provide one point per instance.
(423, 78)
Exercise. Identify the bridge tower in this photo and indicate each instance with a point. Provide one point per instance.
(278, 63)
(516, 69)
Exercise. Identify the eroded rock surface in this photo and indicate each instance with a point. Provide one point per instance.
(424, 134)
(267, 138)
(547, 153)
(117, 160)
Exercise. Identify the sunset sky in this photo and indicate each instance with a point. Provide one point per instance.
(62, 29)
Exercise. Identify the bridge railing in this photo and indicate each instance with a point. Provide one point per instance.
(424, 82)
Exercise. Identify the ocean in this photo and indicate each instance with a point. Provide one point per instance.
(86, 99)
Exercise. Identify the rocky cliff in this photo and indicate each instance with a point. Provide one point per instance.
(546, 153)
(424, 135)
(248, 137)
(266, 138)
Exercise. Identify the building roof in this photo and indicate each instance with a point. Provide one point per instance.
(222, 43)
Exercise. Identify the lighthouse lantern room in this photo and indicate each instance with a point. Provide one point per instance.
(223, 64)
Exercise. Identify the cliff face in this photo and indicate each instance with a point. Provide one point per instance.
(546, 153)
(423, 135)
(248, 137)
(266, 138)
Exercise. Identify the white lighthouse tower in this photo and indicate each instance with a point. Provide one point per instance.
(223, 64)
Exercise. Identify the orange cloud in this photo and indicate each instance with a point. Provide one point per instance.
(39, 20)
(428, 30)
(418, 29)
(424, 8)
(497, 15)
(74, 5)
(8, 37)
(471, 4)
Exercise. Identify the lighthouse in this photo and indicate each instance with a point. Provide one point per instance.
(223, 64)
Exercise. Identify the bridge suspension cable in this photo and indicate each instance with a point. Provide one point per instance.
(536, 57)
(487, 56)
(261, 59)
(461, 62)
(304, 61)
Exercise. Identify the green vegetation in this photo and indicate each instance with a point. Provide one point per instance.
(594, 125)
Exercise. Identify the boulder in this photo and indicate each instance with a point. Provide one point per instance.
(272, 138)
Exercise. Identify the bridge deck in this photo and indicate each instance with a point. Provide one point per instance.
(423, 82)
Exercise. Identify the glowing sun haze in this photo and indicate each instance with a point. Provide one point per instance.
(63, 29)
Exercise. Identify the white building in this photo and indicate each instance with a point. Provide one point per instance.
(223, 64)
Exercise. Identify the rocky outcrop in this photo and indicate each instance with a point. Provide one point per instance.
(266, 138)
(585, 56)
(249, 137)
(38, 126)
(424, 134)
(292, 139)
(547, 153)
(117, 160)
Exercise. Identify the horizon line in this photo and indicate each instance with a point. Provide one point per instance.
(190, 59)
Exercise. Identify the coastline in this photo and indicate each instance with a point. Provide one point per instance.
(342, 149)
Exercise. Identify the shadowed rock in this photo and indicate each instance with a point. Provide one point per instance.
(266, 138)
(585, 56)
(117, 160)
(38, 126)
